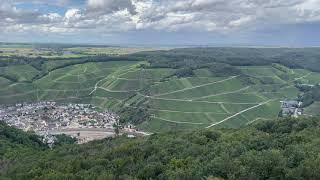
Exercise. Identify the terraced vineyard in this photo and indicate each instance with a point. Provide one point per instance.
(206, 101)
(201, 101)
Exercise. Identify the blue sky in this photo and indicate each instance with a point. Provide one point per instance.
(42, 8)
(162, 22)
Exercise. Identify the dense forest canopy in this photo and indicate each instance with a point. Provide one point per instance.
(279, 149)
(195, 57)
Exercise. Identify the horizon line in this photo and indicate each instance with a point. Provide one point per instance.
(155, 45)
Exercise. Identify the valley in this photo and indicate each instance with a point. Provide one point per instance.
(205, 99)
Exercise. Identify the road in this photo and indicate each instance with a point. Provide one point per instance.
(194, 87)
(191, 100)
(243, 111)
(114, 75)
(225, 93)
(177, 122)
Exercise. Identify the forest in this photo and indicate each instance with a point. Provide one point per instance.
(274, 149)
(199, 57)
(310, 95)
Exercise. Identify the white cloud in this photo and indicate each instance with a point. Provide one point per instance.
(73, 14)
(106, 16)
(109, 6)
(97, 3)
(241, 21)
(308, 10)
(51, 17)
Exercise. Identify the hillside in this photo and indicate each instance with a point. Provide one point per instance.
(280, 149)
(182, 89)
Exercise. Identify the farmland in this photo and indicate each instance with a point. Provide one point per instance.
(159, 90)
(66, 50)
(203, 100)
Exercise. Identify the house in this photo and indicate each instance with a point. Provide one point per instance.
(291, 108)
(290, 104)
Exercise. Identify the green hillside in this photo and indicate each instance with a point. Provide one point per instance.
(172, 102)
(163, 93)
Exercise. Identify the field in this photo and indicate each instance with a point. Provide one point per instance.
(201, 101)
(72, 52)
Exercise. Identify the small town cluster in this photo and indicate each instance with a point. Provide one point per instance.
(291, 108)
(46, 117)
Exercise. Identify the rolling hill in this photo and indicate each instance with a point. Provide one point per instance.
(160, 98)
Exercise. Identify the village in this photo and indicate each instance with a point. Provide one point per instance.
(83, 121)
(291, 108)
(47, 119)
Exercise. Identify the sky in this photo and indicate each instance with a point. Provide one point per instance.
(162, 22)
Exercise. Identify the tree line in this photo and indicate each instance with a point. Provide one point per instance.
(275, 149)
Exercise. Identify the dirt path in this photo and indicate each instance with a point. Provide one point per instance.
(175, 111)
(225, 109)
(108, 90)
(194, 87)
(241, 112)
(295, 79)
(225, 93)
(113, 75)
(178, 122)
(190, 100)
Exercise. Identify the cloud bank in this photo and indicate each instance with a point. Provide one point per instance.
(110, 16)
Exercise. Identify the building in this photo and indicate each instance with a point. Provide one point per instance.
(291, 108)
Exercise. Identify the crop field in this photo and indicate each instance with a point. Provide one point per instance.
(48, 52)
(227, 102)
(20, 72)
(201, 101)
(107, 50)
(76, 81)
